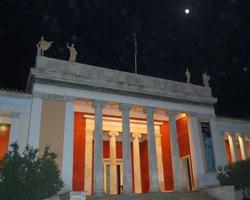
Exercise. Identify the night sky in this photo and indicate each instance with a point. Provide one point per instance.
(213, 37)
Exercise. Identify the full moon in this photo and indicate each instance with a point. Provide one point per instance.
(187, 11)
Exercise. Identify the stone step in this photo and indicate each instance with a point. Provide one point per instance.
(200, 195)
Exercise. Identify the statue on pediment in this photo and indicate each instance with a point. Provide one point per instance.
(188, 75)
(206, 79)
(43, 46)
(72, 52)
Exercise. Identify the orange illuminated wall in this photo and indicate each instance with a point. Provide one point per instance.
(79, 152)
(248, 148)
(106, 150)
(229, 156)
(183, 136)
(183, 140)
(166, 156)
(238, 151)
(144, 166)
(4, 139)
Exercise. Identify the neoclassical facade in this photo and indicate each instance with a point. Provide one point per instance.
(116, 132)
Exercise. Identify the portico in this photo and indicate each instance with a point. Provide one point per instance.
(122, 133)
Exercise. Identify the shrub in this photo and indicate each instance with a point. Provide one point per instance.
(237, 174)
(28, 176)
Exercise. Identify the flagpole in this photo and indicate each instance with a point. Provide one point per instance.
(135, 52)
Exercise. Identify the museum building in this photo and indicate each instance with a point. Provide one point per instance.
(116, 132)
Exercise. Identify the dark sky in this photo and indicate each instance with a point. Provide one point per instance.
(214, 37)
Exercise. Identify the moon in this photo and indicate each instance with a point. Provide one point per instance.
(187, 11)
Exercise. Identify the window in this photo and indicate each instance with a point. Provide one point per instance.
(208, 146)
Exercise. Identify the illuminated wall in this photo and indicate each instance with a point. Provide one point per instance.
(4, 139)
(79, 152)
(166, 156)
(229, 156)
(144, 166)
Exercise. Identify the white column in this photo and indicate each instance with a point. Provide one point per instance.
(223, 148)
(242, 147)
(68, 144)
(159, 160)
(113, 171)
(176, 164)
(196, 151)
(247, 145)
(153, 171)
(137, 163)
(218, 145)
(88, 162)
(98, 149)
(235, 141)
(126, 149)
(35, 121)
(232, 147)
(14, 129)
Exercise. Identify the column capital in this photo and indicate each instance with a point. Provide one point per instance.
(15, 114)
(113, 133)
(37, 95)
(247, 137)
(69, 99)
(125, 107)
(171, 113)
(149, 110)
(136, 135)
(98, 103)
(239, 134)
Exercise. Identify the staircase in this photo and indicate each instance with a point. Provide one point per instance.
(199, 195)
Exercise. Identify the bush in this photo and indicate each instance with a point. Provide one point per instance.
(237, 174)
(29, 177)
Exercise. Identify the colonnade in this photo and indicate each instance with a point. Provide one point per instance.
(98, 170)
(244, 144)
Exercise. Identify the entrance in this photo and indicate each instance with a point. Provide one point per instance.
(119, 176)
(186, 172)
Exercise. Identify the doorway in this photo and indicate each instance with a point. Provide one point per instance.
(186, 172)
(119, 176)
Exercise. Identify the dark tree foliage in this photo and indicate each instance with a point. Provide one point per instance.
(28, 176)
(237, 174)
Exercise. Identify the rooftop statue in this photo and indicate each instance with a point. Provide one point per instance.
(206, 79)
(188, 75)
(43, 46)
(72, 52)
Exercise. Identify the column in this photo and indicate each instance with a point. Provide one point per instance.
(242, 147)
(88, 162)
(13, 129)
(68, 143)
(218, 142)
(247, 145)
(98, 148)
(153, 171)
(113, 171)
(159, 160)
(176, 164)
(126, 149)
(196, 151)
(235, 141)
(35, 121)
(224, 158)
(137, 163)
(232, 147)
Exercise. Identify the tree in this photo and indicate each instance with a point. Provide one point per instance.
(28, 176)
(237, 174)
